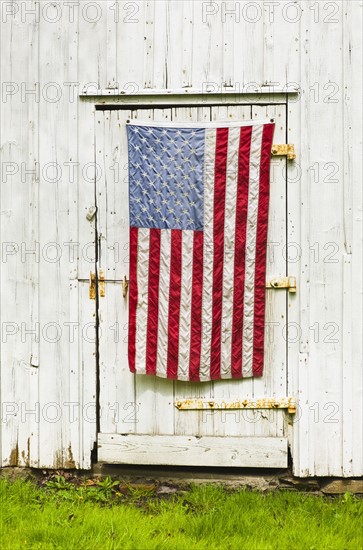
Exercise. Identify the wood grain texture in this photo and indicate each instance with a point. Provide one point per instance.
(168, 47)
(239, 452)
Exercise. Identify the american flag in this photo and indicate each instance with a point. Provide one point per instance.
(199, 197)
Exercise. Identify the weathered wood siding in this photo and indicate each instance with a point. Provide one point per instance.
(48, 379)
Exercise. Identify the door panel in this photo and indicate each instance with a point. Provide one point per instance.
(143, 404)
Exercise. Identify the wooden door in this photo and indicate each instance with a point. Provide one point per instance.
(139, 422)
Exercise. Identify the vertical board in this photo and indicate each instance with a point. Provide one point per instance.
(352, 353)
(57, 119)
(322, 219)
(130, 38)
(20, 254)
(274, 380)
(117, 389)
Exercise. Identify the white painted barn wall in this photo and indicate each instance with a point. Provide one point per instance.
(168, 46)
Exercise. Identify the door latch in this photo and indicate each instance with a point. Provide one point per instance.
(286, 149)
(283, 282)
(125, 286)
(93, 285)
(102, 285)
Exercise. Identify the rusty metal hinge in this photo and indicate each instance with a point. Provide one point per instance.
(288, 403)
(283, 282)
(285, 149)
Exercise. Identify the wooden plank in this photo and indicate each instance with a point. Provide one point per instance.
(94, 65)
(86, 262)
(281, 68)
(154, 396)
(87, 383)
(97, 44)
(274, 379)
(161, 45)
(78, 454)
(29, 437)
(111, 43)
(298, 196)
(130, 38)
(117, 384)
(118, 409)
(149, 40)
(248, 68)
(228, 52)
(296, 378)
(92, 68)
(254, 90)
(19, 217)
(188, 20)
(282, 43)
(176, 46)
(325, 227)
(239, 452)
(112, 193)
(57, 118)
(352, 401)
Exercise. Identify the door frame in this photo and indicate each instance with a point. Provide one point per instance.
(101, 103)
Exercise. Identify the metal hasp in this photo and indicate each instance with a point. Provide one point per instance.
(93, 285)
(288, 403)
(101, 285)
(286, 149)
(283, 282)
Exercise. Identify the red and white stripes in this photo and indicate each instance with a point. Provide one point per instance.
(197, 298)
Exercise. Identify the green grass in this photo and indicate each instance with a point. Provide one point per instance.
(64, 516)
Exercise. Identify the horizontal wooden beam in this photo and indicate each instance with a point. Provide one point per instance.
(178, 450)
(137, 99)
(210, 89)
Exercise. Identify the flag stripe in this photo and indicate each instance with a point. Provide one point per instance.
(249, 291)
(240, 244)
(164, 284)
(153, 302)
(186, 304)
(218, 254)
(196, 318)
(132, 298)
(229, 241)
(174, 303)
(261, 249)
(210, 151)
(142, 301)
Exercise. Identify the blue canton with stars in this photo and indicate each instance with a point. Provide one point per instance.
(166, 177)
